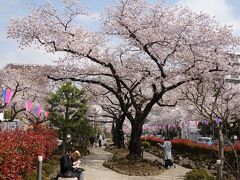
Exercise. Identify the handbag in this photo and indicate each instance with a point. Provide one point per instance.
(79, 170)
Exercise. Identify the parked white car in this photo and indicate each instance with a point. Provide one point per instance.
(205, 140)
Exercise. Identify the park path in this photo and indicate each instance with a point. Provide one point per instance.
(92, 163)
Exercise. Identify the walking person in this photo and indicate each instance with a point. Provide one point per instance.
(92, 140)
(167, 149)
(100, 140)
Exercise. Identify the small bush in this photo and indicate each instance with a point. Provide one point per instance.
(33, 176)
(48, 169)
(53, 162)
(145, 144)
(198, 174)
(56, 157)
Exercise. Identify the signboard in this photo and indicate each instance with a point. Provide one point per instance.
(12, 125)
(9, 125)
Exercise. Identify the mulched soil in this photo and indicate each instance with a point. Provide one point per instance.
(122, 165)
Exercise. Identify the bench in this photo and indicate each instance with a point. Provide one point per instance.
(61, 177)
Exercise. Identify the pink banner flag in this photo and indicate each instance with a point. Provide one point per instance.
(4, 94)
(197, 122)
(28, 105)
(9, 94)
(46, 114)
(218, 120)
(39, 110)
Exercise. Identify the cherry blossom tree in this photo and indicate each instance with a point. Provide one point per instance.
(109, 108)
(26, 84)
(217, 101)
(159, 48)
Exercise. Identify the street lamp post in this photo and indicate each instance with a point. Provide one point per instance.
(40, 159)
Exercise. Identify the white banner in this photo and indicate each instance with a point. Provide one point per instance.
(1, 116)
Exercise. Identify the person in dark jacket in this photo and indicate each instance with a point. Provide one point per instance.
(92, 140)
(66, 163)
(67, 168)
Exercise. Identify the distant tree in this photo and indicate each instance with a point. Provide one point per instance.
(110, 109)
(24, 84)
(218, 102)
(67, 109)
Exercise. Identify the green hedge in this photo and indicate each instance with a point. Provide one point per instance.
(145, 144)
(198, 174)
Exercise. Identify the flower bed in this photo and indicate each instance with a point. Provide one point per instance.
(187, 146)
(19, 150)
(194, 155)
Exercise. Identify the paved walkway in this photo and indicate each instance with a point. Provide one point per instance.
(96, 171)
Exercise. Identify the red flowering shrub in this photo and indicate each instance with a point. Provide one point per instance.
(20, 149)
(188, 146)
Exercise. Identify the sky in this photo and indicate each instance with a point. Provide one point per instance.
(225, 11)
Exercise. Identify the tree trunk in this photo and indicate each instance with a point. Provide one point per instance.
(114, 136)
(64, 143)
(134, 144)
(237, 161)
(220, 153)
(238, 129)
(119, 134)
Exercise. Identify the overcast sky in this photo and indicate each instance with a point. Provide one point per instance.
(225, 11)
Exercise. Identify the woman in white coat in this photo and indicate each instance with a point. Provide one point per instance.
(167, 150)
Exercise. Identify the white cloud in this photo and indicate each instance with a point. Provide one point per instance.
(222, 10)
(91, 22)
(10, 53)
(28, 56)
